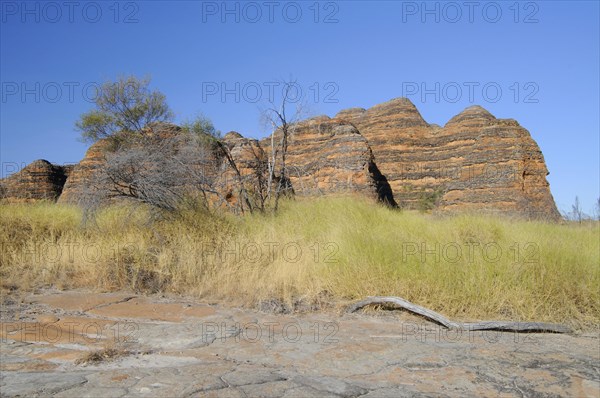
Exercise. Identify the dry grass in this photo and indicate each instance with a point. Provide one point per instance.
(103, 355)
(314, 252)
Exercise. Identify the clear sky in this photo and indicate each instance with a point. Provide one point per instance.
(534, 61)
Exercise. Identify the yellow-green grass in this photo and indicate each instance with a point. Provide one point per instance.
(315, 251)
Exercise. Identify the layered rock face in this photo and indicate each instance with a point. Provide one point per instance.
(40, 180)
(250, 161)
(397, 135)
(183, 164)
(330, 156)
(82, 172)
(476, 162)
(324, 157)
(499, 167)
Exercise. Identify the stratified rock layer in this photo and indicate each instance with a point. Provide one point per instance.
(476, 162)
(502, 169)
(40, 180)
(82, 172)
(250, 160)
(330, 156)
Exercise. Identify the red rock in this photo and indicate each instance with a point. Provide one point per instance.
(476, 162)
(329, 156)
(40, 180)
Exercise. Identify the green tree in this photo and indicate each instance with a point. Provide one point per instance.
(203, 128)
(126, 105)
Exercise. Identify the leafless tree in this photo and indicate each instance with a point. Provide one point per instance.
(577, 213)
(282, 119)
(257, 181)
(165, 170)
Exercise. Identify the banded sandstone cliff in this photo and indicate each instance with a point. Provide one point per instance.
(475, 162)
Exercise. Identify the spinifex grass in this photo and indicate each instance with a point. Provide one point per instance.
(337, 249)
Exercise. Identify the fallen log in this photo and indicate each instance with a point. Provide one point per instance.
(442, 320)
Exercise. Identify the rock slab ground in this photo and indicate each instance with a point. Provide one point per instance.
(80, 344)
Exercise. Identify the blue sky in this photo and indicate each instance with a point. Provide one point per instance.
(537, 62)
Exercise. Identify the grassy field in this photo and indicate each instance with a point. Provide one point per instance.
(315, 253)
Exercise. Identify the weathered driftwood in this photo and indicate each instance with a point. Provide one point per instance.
(442, 320)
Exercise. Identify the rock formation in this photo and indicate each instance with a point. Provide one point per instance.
(502, 168)
(40, 180)
(476, 162)
(325, 156)
(330, 156)
(249, 159)
(396, 133)
(82, 172)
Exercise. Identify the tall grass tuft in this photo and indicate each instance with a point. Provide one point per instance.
(313, 252)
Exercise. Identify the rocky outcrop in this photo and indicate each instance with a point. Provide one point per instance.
(82, 172)
(498, 168)
(475, 162)
(113, 167)
(324, 157)
(330, 156)
(40, 180)
(249, 159)
(396, 132)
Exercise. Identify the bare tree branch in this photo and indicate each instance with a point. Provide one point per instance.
(442, 320)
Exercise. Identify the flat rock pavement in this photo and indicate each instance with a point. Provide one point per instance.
(79, 344)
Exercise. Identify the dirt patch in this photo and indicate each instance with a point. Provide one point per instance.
(75, 301)
(144, 308)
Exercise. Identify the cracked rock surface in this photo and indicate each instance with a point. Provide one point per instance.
(79, 344)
